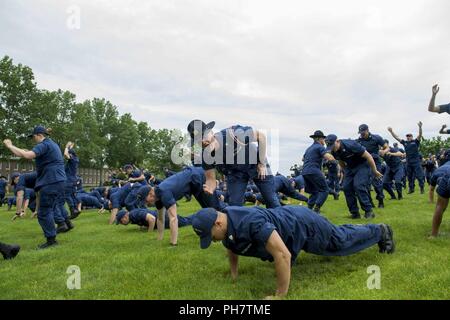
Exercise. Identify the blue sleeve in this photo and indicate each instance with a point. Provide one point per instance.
(444, 108)
(356, 148)
(380, 141)
(323, 151)
(434, 179)
(403, 142)
(40, 149)
(260, 231)
(166, 198)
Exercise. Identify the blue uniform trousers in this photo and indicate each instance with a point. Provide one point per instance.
(316, 185)
(355, 185)
(237, 184)
(51, 198)
(414, 171)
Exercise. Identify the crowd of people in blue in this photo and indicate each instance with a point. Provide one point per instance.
(277, 232)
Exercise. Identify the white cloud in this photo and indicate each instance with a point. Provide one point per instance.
(296, 66)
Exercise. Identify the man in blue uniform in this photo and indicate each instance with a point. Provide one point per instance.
(50, 180)
(278, 235)
(237, 152)
(3, 185)
(373, 144)
(315, 182)
(70, 189)
(165, 196)
(394, 171)
(413, 163)
(432, 105)
(119, 199)
(134, 175)
(147, 218)
(284, 186)
(9, 251)
(88, 201)
(357, 163)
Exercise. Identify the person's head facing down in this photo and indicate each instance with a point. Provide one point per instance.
(333, 143)
(201, 132)
(318, 137)
(210, 225)
(123, 217)
(147, 195)
(363, 131)
(39, 134)
(128, 169)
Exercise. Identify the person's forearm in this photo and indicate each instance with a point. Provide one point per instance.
(396, 137)
(372, 164)
(160, 224)
(25, 205)
(262, 147)
(431, 106)
(20, 152)
(234, 258)
(283, 273)
(66, 153)
(173, 223)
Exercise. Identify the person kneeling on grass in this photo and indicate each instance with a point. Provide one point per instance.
(147, 218)
(279, 234)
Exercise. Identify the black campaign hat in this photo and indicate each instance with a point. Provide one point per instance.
(318, 134)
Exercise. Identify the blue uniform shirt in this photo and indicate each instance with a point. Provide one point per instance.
(245, 152)
(139, 216)
(412, 150)
(249, 229)
(26, 180)
(445, 108)
(332, 167)
(351, 153)
(71, 168)
(299, 182)
(391, 161)
(177, 186)
(372, 145)
(313, 159)
(49, 163)
(439, 173)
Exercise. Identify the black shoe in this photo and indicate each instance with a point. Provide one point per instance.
(336, 196)
(74, 214)
(422, 191)
(69, 224)
(400, 197)
(355, 215)
(380, 203)
(50, 243)
(316, 209)
(386, 244)
(9, 251)
(410, 191)
(393, 198)
(62, 227)
(310, 207)
(369, 215)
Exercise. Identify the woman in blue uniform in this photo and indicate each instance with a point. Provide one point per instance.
(50, 179)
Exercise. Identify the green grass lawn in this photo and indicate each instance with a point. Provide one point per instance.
(122, 262)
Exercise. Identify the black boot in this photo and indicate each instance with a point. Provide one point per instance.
(355, 215)
(50, 243)
(369, 215)
(316, 209)
(400, 196)
(69, 224)
(387, 243)
(336, 196)
(380, 203)
(422, 190)
(74, 213)
(9, 251)
(62, 227)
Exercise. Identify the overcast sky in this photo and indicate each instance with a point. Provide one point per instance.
(292, 66)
